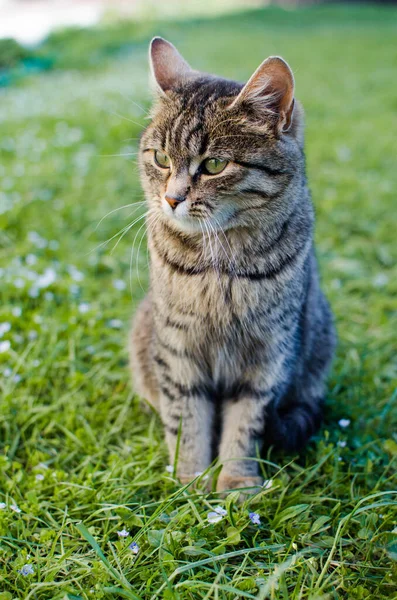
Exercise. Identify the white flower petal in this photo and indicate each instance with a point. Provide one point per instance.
(220, 511)
(5, 346)
(214, 517)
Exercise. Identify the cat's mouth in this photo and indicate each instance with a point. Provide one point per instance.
(192, 220)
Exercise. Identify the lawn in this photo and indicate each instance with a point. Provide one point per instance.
(88, 508)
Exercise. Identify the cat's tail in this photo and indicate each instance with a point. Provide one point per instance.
(290, 426)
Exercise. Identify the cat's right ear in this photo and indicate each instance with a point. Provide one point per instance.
(169, 69)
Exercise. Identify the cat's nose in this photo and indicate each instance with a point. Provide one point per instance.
(173, 201)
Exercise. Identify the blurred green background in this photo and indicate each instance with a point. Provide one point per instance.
(75, 443)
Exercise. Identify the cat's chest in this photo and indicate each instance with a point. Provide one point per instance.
(215, 298)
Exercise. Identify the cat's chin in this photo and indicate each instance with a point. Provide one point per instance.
(186, 224)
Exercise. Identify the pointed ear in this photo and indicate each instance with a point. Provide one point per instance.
(168, 67)
(271, 90)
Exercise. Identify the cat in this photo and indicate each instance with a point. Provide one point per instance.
(234, 340)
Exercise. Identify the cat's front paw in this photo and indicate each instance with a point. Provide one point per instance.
(251, 484)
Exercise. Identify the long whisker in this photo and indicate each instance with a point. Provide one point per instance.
(204, 248)
(148, 222)
(125, 118)
(221, 280)
(121, 154)
(126, 97)
(230, 259)
(126, 230)
(207, 225)
(137, 253)
(115, 235)
(120, 208)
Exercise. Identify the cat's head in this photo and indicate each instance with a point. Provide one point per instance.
(218, 153)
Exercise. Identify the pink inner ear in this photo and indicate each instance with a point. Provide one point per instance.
(271, 87)
(168, 66)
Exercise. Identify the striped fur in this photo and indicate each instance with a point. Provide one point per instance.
(234, 339)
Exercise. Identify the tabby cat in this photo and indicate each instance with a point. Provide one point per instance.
(233, 342)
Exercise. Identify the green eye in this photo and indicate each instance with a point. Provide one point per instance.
(162, 159)
(213, 166)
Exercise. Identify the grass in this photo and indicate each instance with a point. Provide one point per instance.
(80, 458)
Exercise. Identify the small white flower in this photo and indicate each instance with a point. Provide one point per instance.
(7, 372)
(33, 292)
(123, 533)
(213, 517)
(26, 570)
(36, 363)
(267, 484)
(4, 328)
(216, 515)
(344, 423)
(134, 547)
(32, 335)
(36, 239)
(220, 511)
(17, 378)
(15, 508)
(41, 465)
(169, 469)
(380, 280)
(119, 284)
(84, 308)
(31, 259)
(74, 289)
(48, 278)
(5, 346)
(19, 283)
(39, 477)
(2, 505)
(115, 323)
(75, 274)
(254, 518)
(49, 296)
(16, 311)
(342, 444)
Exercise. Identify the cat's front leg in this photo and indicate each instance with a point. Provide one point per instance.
(242, 436)
(187, 412)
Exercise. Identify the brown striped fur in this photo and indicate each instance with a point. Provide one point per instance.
(235, 338)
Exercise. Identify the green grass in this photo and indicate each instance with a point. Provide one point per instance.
(79, 455)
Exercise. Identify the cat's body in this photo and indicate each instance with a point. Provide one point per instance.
(235, 338)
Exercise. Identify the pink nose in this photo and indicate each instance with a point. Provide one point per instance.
(173, 201)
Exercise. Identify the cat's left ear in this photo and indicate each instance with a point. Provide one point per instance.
(271, 90)
(169, 68)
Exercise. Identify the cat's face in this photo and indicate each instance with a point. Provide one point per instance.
(217, 153)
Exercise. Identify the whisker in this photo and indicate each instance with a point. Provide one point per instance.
(119, 208)
(137, 254)
(117, 155)
(112, 112)
(126, 230)
(127, 97)
(116, 234)
(230, 259)
(149, 221)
